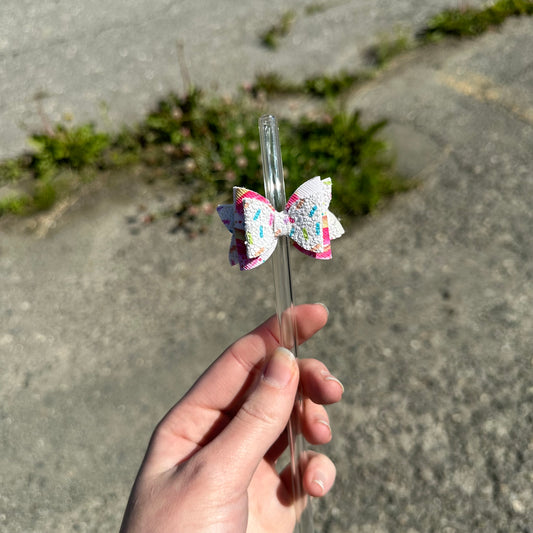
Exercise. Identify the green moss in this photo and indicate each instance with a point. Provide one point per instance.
(74, 148)
(218, 142)
(11, 170)
(42, 196)
(326, 86)
(212, 144)
(15, 204)
(470, 22)
(45, 195)
(316, 7)
(340, 147)
(272, 36)
(388, 47)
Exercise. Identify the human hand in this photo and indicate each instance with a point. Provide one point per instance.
(210, 465)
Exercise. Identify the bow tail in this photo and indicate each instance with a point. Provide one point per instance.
(226, 214)
(233, 254)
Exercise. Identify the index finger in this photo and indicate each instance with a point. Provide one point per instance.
(224, 379)
(209, 405)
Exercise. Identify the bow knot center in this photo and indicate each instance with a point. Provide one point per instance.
(282, 224)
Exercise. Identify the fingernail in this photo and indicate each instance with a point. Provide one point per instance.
(324, 306)
(280, 369)
(329, 377)
(319, 481)
(324, 423)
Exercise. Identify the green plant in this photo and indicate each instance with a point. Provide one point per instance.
(74, 148)
(388, 47)
(124, 149)
(325, 86)
(55, 166)
(316, 7)
(274, 83)
(44, 196)
(339, 146)
(334, 85)
(215, 143)
(211, 144)
(11, 170)
(470, 22)
(271, 37)
(15, 204)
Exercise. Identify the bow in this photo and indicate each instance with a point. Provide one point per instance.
(256, 226)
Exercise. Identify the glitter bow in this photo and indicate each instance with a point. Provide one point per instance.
(255, 225)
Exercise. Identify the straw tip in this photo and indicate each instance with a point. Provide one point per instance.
(267, 120)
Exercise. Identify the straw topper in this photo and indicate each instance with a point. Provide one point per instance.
(256, 226)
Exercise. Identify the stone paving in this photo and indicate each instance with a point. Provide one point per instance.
(105, 324)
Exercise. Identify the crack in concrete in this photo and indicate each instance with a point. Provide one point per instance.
(485, 90)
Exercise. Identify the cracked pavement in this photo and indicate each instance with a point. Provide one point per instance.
(104, 324)
(110, 62)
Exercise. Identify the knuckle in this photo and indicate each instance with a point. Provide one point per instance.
(265, 416)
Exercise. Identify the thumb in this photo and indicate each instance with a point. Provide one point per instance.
(260, 420)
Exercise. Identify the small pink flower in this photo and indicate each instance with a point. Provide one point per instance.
(190, 165)
(208, 208)
(193, 210)
(169, 149)
(230, 176)
(187, 148)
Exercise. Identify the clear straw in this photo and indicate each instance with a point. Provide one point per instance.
(275, 193)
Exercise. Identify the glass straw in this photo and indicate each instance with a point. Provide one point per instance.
(275, 193)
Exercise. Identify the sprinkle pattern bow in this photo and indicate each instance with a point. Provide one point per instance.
(255, 225)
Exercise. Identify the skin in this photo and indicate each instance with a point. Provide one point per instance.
(211, 462)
